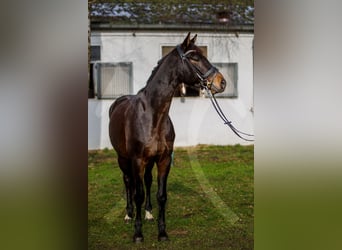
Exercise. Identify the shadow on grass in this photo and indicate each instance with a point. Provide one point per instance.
(193, 219)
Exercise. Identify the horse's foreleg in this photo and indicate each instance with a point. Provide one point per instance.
(139, 197)
(163, 171)
(148, 183)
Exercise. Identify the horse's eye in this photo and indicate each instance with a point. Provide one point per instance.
(195, 57)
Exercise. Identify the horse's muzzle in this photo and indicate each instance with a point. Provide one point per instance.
(218, 84)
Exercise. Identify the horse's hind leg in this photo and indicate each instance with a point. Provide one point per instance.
(129, 203)
(148, 183)
(138, 167)
(127, 178)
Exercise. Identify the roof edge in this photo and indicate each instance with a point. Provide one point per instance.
(107, 26)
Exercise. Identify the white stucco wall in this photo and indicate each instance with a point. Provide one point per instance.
(195, 120)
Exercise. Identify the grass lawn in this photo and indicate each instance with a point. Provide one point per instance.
(210, 201)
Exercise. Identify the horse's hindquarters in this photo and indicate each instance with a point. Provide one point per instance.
(117, 120)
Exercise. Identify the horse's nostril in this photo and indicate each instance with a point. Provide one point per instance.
(223, 83)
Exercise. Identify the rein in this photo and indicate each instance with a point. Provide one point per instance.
(224, 118)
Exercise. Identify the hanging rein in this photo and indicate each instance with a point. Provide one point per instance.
(207, 85)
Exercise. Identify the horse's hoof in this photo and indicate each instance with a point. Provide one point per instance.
(148, 216)
(163, 237)
(138, 238)
(127, 219)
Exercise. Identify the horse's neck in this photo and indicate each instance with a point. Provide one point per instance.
(160, 89)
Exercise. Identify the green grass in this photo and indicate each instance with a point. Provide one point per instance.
(210, 201)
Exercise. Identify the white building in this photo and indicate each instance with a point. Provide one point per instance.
(123, 57)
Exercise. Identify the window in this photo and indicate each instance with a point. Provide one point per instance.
(95, 55)
(230, 73)
(113, 79)
(190, 91)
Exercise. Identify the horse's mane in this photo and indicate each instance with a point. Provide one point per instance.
(154, 71)
(157, 66)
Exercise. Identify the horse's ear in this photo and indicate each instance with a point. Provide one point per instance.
(186, 41)
(193, 40)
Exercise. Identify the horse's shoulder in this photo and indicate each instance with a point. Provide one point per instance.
(141, 103)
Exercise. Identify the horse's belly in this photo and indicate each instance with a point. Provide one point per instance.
(158, 145)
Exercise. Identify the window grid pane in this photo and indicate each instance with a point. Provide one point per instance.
(95, 53)
(114, 79)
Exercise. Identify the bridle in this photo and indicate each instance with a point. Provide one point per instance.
(203, 78)
(207, 85)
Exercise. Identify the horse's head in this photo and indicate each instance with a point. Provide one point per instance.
(198, 69)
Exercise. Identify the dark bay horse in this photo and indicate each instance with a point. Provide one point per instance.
(142, 133)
